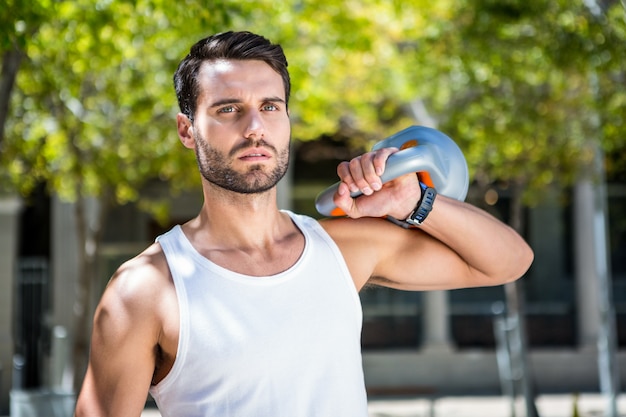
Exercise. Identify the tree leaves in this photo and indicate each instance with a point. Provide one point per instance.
(521, 86)
(524, 101)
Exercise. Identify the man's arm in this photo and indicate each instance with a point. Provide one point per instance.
(457, 246)
(123, 348)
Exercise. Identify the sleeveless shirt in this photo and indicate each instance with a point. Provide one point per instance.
(286, 345)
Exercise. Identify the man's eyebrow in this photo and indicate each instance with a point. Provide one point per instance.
(274, 98)
(226, 101)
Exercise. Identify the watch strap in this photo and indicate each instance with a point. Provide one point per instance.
(423, 207)
(421, 211)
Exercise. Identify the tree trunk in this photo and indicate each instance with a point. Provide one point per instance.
(89, 230)
(11, 61)
(516, 310)
(81, 302)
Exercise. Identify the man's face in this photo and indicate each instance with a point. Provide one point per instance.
(241, 126)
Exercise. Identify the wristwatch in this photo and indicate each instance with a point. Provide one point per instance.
(423, 207)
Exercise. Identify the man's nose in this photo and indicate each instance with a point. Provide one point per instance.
(255, 128)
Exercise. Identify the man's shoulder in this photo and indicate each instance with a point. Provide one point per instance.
(363, 237)
(144, 277)
(136, 301)
(340, 227)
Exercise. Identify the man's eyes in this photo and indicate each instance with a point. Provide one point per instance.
(227, 109)
(269, 107)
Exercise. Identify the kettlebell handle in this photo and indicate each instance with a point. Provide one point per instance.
(434, 156)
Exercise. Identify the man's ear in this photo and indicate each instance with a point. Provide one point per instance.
(185, 131)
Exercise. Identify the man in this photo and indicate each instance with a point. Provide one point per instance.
(247, 310)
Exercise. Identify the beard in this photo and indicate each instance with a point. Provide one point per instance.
(215, 168)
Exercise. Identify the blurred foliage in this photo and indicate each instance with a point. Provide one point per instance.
(524, 87)
(532, 86)
(93, 111)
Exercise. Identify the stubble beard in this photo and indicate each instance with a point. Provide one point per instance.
(215, 169)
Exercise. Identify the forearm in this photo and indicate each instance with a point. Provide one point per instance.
(488, 246)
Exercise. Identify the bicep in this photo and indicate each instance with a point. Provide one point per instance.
(122, 358)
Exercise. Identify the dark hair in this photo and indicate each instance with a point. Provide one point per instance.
(227, 45)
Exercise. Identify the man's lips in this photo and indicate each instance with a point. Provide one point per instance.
(255, 154)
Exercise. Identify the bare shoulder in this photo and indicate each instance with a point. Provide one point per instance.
(365, 243)
(373, 232)
(142, 292)
(136, 312)
(141, 278)
(340, 225)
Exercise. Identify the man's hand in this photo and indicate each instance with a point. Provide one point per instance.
(396, 198)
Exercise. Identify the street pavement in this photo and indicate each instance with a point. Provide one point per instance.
(562, 405)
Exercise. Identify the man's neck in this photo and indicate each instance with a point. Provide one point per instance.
(236, 230)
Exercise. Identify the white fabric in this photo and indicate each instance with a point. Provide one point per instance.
(286, 345)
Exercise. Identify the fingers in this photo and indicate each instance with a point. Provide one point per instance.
(363, 172)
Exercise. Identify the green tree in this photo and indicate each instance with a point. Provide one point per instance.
(523, 99)
(14, 34)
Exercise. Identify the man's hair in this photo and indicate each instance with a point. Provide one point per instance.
(227, 45)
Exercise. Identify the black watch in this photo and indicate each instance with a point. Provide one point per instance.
(423, 207)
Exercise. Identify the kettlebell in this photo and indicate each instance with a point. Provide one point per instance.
(437, 160)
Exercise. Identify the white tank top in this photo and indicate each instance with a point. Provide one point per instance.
(286, 345)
